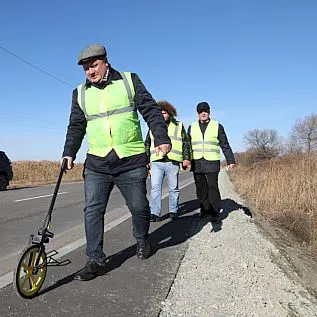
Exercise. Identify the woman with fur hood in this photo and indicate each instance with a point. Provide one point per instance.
(168, 164)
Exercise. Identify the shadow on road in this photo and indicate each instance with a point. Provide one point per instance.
(228, 206)
(176, 231)
(57, 284)
(169, 233)
(188, 206)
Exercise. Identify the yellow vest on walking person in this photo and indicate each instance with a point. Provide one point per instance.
(174, 131)
(205, 146)
(112, 118)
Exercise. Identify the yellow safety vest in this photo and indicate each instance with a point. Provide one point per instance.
(205, 146)
(174, 131)
(112, 118)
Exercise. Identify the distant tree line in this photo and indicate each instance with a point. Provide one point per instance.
(267, 144)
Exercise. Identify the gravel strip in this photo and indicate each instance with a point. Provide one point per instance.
(228, 270)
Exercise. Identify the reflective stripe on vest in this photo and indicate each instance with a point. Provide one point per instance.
(112, 119)
(174, 131)
(205, 146)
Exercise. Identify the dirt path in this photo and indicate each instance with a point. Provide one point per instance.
(234, 269)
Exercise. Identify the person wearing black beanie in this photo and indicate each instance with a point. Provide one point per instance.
(207, 137)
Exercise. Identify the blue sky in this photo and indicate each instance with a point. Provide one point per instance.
(253, 61)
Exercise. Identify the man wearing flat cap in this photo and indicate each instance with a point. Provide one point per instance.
(167, 165)
(207, 137)
(105, 107)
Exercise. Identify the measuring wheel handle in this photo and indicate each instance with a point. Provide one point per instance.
(31, 268)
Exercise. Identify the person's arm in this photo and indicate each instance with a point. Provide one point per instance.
(186, 145)
(150, 112)
(225, 146)
(75, 131)
(186, 149)
(189, 140)
(147, 143)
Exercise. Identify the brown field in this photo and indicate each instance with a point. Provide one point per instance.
(284, 191)
(28, 173)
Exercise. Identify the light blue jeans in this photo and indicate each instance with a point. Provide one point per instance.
(158, 171)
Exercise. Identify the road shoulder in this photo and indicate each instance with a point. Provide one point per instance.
(231, 270)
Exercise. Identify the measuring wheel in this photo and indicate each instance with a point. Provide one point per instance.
(31, 271)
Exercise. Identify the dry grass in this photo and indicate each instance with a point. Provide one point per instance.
(29, 173)
(283, 190)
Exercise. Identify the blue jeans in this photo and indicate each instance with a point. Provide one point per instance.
(98, 186)
(158, 171)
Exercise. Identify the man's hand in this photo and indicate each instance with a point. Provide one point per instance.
(163, 148)
(186, 164)
(70, 163)
(230, 167)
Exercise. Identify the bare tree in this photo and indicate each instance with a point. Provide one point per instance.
(292, 146)
(304, 132)
(263, 144)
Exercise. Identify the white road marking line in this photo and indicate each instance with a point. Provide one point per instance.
(36, 197)
(7, 279)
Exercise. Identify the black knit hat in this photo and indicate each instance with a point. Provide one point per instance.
(203, 106)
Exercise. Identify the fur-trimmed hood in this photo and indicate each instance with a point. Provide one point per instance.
(169, 108)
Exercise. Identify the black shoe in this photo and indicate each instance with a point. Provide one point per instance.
(91, 270)
(155, 218)
(143, 249)
(215, 217)
(173, 215)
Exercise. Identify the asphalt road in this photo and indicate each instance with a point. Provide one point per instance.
(23, 210)
(130, 288)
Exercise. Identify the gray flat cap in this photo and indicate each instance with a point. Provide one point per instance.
(91, 51)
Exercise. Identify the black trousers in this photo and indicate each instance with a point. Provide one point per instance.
(208, 192)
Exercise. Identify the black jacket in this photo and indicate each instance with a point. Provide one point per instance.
(204, 166)
(185, 148)
(112, 164)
